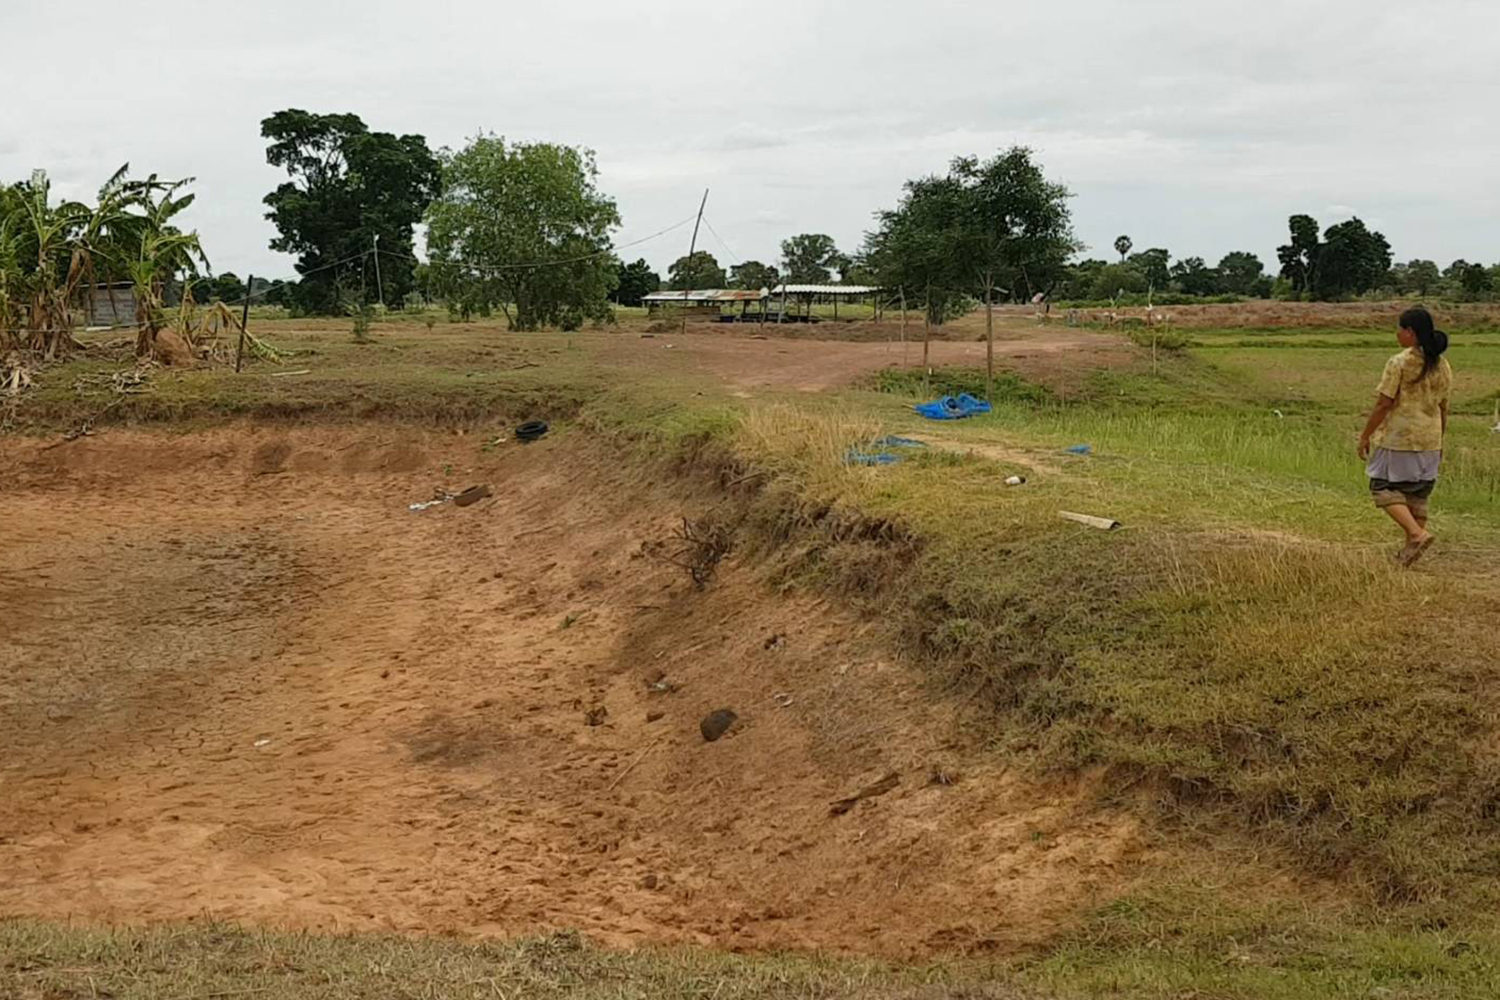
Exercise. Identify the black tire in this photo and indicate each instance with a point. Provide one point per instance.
(531, 430)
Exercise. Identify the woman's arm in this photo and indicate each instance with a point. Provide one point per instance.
(1445, 416)
(1383, 405)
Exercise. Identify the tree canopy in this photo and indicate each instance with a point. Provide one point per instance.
(811, 259)
(753, 275)
(637, 280)
(700, 270)
(348, 186)
(994, 226)
(522, 227)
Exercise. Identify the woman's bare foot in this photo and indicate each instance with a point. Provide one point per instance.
(1416, 547)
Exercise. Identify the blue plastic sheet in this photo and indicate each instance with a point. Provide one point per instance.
(856, 456)
(953, 407)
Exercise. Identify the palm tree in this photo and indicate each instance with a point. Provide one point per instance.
(1122, 246)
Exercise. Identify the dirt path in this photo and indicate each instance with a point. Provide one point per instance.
(241, 679)
(748, 361)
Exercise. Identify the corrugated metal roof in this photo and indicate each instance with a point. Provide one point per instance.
(708, 295)
(825, 289)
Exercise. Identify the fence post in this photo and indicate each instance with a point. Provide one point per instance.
(239, 352)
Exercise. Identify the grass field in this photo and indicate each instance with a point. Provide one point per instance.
(1309, 732)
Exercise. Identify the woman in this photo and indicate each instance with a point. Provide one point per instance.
(1406, 428)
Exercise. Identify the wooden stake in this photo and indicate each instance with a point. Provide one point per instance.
(989, 341)
(904, 361)
(239, 352)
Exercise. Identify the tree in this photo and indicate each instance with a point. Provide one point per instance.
(1422, 276)
(1113, 279)
(988, 226)
(1122, 246)
(349, 186)
(1299, 258)
(1193, 276)
(701, 270)
(637, 280)
(1475, 281)
(1078, 282)
(1351, 260)
(754, 275)
(810, 259)
(1240, 273)
(522, 227)
(1155, 265)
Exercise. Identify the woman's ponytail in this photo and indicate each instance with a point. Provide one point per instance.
(1432, 340)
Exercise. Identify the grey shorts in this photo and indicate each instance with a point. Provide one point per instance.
(1412, 494)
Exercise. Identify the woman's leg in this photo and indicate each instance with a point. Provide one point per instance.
(1402, 515)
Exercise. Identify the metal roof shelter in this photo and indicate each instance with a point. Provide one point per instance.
(702, 296)
(811, 293)
(847, 291)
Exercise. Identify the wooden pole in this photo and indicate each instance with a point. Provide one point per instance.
(927, 344)
(239, 352)
(989, 341)
(692, 249)
(904, 360)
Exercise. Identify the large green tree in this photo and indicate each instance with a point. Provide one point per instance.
(1422, 276)
(1155, 265)
(349, 187)
(637, 280)
(1240, 272)
(1193, 276)
(1299, 256)
(811, 259)
(701, 270)
(1351, 260)
(754, 275)
(523, 227)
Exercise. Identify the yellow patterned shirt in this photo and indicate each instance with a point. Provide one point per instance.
(1416, 421)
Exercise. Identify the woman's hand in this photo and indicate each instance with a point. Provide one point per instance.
(1364, 448)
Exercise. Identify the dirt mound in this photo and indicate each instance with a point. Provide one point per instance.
(242, 678)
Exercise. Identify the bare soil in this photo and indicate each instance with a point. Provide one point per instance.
(241, 679)
(1053, 355)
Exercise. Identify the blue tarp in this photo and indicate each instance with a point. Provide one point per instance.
(855, 456)
(952, 407)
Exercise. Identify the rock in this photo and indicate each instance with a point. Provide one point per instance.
(655, 716)
(172, 349)
(654, 677)
(716, 724)
(472, 495)
(649, 882)
(596, 716)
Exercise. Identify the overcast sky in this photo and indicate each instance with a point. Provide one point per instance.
(1196, 126)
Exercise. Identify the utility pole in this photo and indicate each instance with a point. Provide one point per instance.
(379, 288)
(692, 249)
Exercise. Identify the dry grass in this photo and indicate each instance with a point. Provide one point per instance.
(46, 962)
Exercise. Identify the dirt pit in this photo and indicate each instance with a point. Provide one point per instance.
(241, 679)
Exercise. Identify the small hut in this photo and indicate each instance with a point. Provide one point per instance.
(112, 304)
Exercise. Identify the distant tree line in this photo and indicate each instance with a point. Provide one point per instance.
(986, 231)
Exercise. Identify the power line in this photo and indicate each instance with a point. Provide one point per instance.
(608, 251)
(727, 249)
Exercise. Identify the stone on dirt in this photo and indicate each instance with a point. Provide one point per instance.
(716, 724)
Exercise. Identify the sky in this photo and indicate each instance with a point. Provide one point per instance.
(1195, 126)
